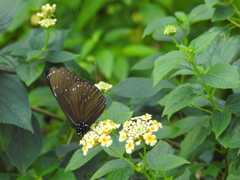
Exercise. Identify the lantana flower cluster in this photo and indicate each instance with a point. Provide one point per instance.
(103, 86)
(47, 16)
(137, 129)
(99, 134)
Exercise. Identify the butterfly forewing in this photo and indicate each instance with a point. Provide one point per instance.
(80, 100)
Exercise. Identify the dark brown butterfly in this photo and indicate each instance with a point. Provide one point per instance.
(80, 100)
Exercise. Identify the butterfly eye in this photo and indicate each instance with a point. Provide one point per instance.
(78, 98)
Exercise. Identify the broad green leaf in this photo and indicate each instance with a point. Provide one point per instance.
(116, 34)
(146, 63)
(220, 121)
(219, 51)
(116, 145)
(138, 50)
(166, 132)
(186, 124)
(194, 139)
(166, 63)
(7, 9)
(182, 72)
(32, 54)
(77, 160)
(60, 56)
(60, 174)
(230, 137)
(179, 98)
(150, 12)
(200, 43)
(119, 175)
(88, 9)
(45, 165)
(136, 88)
(167, 162)
(30, 71)
(22, 146)
(221, 75)
(64, 149)
(233, 104)
(110, 166)
(115, 109)
(158, 23)
(105, 61)
(186, 175)
(10, 176)
(121, 68)
(200, 13)
(222, 13)
(160, 149)
(121, 118)
(14, 102)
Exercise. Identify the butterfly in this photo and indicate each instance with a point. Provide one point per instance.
(81, 101)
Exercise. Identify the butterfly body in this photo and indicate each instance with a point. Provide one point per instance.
(80, 100)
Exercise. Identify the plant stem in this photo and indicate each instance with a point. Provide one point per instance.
(123, 158)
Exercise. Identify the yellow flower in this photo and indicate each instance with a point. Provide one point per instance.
(153, 128)
(146, 116)
(150, 139)
(85, 150)
(129, 146)
(156, 123)
(122, 137)
(105, 140)
(103, 87)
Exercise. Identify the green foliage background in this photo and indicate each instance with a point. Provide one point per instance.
(191, 88)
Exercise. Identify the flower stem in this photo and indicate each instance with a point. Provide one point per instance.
(123, 158)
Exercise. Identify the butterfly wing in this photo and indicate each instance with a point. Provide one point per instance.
(80, 100)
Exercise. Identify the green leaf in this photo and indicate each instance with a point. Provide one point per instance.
(115, 109)
(158, 23)
(200, 13)
(167, 162)
(14, 102)
(200, 43)
(110, 166)
(121, 68)
(186, 124)
(233, 104)
(121, 118)
(146, 63)
(221, 75)
(30, 71)
(138, 50)
(7, 9)
(45, 165)
(9, 176)
(119, 175)
(60, 174)
(64, 149)
(160, 149)
(116, 34)
(137, 87)
(117, 146)
(185, 175)
(179, 98)
(21, 146)
(222, 13)
(60, 56)
(230, 137)
(32, 54)
(194, 139)
(166, 63)
(182, 72)
(105, 62)
(77, 160)
(220, 121)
